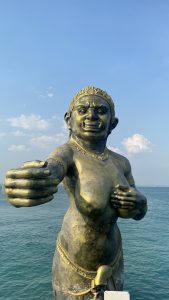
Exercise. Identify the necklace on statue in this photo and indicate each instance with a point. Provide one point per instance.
(103, 156)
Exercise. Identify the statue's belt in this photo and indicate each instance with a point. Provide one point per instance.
(98, 278)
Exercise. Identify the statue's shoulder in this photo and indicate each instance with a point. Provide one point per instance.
(120, 159)
(64, 151)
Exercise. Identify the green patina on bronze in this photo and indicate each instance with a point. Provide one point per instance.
(100, 187)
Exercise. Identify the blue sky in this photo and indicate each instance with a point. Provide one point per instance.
(50, 49)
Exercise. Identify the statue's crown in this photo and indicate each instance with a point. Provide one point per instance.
(91, 90)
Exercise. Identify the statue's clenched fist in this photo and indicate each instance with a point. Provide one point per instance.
(30, 185)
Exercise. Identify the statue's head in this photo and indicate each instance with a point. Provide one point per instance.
(91, 114)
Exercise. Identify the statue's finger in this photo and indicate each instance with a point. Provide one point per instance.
(122, 187)
(117, 204)
(124, 196)
(121, 201)
(28, 173)
(21, 202)
(30, 193)
(35, 164)
(124, 204)
(126, 207)
(30, 183)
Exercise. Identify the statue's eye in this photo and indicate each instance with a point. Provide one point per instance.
(102, 110)
(82, 110)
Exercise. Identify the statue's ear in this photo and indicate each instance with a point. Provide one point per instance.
(114, 124)
(67, 120)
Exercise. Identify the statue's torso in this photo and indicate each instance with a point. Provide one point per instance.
(91, 241)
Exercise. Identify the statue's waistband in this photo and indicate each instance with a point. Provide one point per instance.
(99, 277)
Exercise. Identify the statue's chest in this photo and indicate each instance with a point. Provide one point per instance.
(96, 178)
(92, 169)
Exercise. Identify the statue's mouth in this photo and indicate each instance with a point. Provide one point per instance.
(92, 126)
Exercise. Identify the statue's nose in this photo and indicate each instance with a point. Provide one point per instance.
(92, 114)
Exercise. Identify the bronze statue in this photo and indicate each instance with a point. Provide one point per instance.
(88, 258)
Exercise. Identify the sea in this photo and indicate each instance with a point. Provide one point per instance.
(27, 245)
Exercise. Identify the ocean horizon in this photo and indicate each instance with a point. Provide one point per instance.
(28, 236)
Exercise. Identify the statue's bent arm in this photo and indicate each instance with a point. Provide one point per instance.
(130, 203)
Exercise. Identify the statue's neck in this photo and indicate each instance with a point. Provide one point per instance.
(90, 145)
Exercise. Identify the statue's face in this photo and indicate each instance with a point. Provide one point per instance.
(90, 118)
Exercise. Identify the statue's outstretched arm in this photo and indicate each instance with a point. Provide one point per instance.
(35, 182)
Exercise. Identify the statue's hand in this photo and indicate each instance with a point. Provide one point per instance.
(128, 201)
(30, 185)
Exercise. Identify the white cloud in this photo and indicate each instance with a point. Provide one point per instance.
(2, 134)
(46, 141)
(56, 117)
(114, 149)
(18, 148)
(31, 122)
(64, 127)
(18, 133)
(137, 143)
(48, 93)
